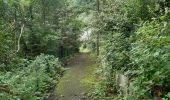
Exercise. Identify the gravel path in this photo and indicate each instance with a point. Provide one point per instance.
(73, 85)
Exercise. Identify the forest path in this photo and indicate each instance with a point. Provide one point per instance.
(78, 79)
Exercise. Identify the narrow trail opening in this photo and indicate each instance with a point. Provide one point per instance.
(77, 79)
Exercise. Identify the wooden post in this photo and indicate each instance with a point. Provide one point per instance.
(122, 82)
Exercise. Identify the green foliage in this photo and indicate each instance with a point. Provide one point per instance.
(134, 42)
(5, 50)
(150, 59)
(31, 81)
(29, 28)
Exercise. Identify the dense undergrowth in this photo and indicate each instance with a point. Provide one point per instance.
(35, 37)
(132, 38)
(135, 43)
(31, 80)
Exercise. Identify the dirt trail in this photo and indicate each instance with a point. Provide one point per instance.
(77, 79)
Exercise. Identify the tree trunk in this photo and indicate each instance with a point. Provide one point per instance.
(98, 37)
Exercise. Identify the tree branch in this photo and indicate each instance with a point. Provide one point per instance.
(22, 28)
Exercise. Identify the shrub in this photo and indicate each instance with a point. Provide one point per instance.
(31, 82)
(150, 58)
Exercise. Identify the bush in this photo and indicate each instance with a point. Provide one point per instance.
(150, 58)
(31, 82)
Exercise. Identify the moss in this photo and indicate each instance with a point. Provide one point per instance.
(78, 79)
(89, 80)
